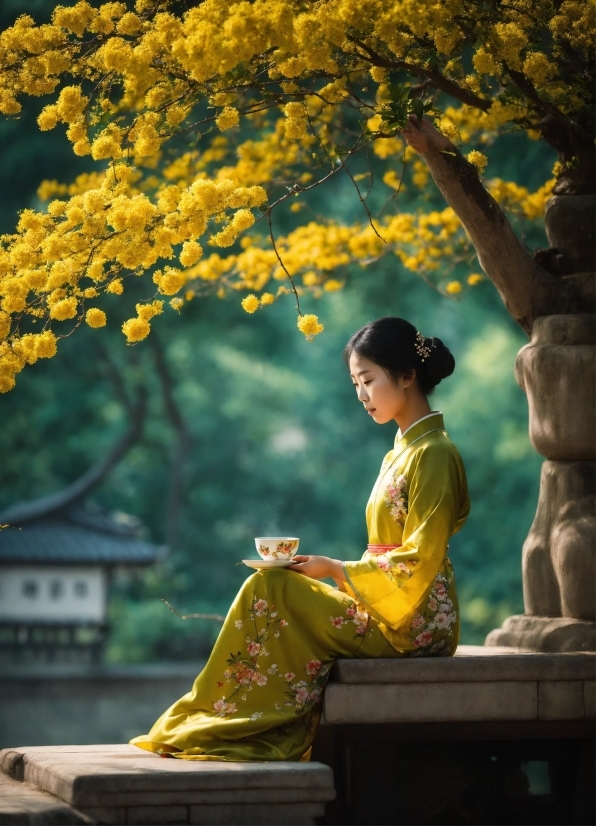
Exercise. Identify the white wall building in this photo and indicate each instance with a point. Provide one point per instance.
(55, 566)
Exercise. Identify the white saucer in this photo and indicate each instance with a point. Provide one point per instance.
(267, 563)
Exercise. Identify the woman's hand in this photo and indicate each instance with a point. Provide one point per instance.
(319, 567)
(424, 137)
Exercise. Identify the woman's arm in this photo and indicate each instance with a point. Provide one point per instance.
(320, 567)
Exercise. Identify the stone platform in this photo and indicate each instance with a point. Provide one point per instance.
(121, 784)
(479, 684)
(481, 727)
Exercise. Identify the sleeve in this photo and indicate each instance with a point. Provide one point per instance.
(391, 585)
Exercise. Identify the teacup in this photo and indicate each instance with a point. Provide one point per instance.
(277, 547)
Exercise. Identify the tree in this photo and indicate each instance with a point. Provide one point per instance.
(152, 94)
(307, 92)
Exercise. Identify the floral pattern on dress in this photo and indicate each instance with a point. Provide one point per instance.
(432, 631)
(399, 572)
(307, 692)
(244, 670)
(359, 618)
(396, 497)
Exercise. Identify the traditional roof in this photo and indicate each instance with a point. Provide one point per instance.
(79, 535)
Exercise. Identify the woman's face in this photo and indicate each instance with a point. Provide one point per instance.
(382, 395)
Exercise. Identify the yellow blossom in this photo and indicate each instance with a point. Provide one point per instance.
(169, 281)
(115, 287)
(176, 303)
(95, 317)
(250, 303)
(309, 325)
(453, 287)
(136, 329)
(477, 159)
(227, 118)
(64, 309)
(191, 252)
(267, 298)
(149, 311)
(475, 278)
(538, 68)
(5, 324)
(332, 285)
(46, 345)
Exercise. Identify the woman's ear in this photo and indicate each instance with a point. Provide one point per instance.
(409, 379)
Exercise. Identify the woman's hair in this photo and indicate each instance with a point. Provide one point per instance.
(396, 345)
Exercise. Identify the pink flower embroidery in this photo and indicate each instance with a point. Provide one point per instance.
(351, 611)
(260, 679)
(313, 667)
(283, 623)
(433, 604)
(223, 709)
(302, 695)
(395, 497)
(417, 622)
(423, 639)
(443, 620)
(337, 621)
(289, 676)
(382, 562)
(260, 607)
(253, 649)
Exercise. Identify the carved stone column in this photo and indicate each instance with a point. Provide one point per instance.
(557, 372)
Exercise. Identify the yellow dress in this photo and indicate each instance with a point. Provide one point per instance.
(259, 695)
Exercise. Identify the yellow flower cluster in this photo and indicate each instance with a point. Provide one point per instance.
(310, 326)
(306, 86)
(478, 159)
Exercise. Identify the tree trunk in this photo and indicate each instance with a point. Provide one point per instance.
(551, 296)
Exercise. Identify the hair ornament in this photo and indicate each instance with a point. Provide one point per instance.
(422, 348)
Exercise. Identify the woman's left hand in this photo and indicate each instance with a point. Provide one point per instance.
(318, 567)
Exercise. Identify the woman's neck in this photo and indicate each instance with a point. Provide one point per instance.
(416, 410)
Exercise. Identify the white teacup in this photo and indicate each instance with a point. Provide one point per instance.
(276, 547)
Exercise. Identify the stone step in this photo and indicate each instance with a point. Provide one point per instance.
(474, 663)
(123, 784)
(478, 684)
(21, 803)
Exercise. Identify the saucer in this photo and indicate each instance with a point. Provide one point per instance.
(267, 563)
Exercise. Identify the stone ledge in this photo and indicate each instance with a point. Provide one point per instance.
(109, 782)
(475, 663)
(21, 803)
(479, 684)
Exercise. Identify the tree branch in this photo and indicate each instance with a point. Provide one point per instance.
(183, 435)
(77, 490)
(438, 80)
(527, 290)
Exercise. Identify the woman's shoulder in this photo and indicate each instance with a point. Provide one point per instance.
(435, 447)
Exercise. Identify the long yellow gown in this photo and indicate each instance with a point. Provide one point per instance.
(259, 695)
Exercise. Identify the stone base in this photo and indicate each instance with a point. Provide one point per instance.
(24, 805)
(546, 634)
(116, 784)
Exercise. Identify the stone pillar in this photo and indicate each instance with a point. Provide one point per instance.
(557, 372)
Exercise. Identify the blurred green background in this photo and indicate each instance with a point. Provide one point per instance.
(278, 442)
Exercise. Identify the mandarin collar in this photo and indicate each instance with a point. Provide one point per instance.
(432, 421)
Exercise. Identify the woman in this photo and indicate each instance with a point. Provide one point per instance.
(259, 695)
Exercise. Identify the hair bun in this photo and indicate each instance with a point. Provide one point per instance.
(439, 364)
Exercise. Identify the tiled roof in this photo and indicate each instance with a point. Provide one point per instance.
(64, 541)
